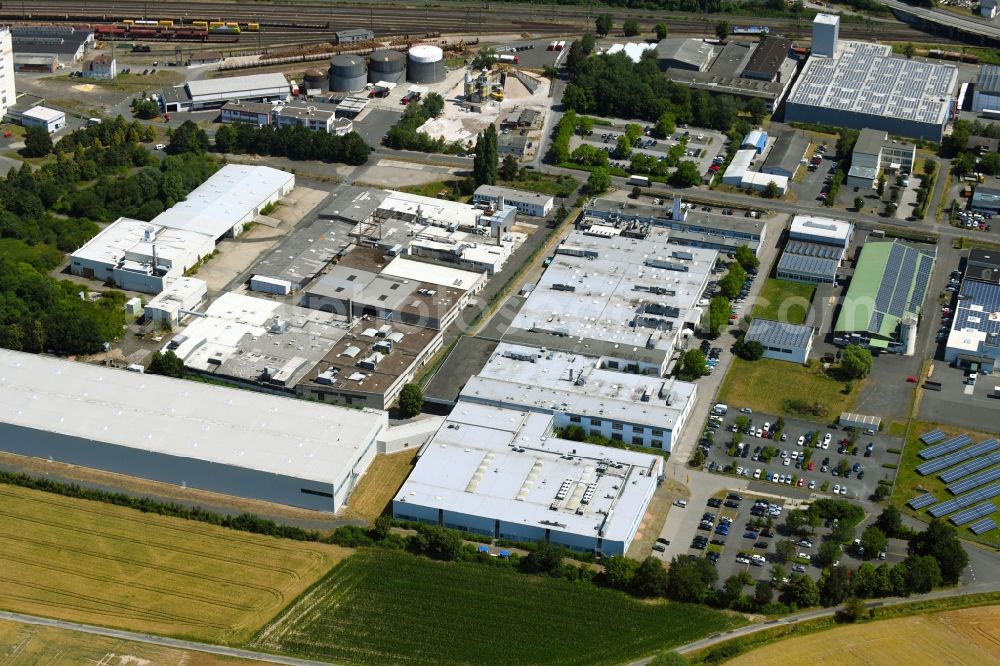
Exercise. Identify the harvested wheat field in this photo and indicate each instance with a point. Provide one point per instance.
(28, 644)
(379, 485)
(96, 563)
(969, 636)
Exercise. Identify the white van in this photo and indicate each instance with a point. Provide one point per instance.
(720, 409)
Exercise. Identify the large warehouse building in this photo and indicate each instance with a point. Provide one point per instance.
(986, 96)
(815, 249)
(214, 93)
(886, 295)
(974, 339)
(864, 85)
(189, 434)
(501, 473)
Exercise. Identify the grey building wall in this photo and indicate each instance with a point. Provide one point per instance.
(190, 472)
(895, 126)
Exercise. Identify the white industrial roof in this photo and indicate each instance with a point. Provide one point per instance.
(828, 19)
(813, 225)
(501, 464)
(179, 292)
(236, 85)
(128, 235)
(444, 276)
(185, 419)
(739, 165)
(229, 196)
(44, 113)
(510, 194)
(433, 211)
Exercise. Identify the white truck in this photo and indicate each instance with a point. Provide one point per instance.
(641, 181)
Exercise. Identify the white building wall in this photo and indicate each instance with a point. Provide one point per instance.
(794, 355)
(8, 95)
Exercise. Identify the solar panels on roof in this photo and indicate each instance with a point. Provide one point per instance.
(933, 437)
(922, 501)
(952, 444)
(945, 462)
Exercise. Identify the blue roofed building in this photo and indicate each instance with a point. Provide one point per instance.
(755, 140)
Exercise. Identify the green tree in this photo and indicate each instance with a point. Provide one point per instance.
(843, 531)
(801, 590)
(772, 191)
(873, 540)
(545, 558)
(661, 31)
(930, 166)
(757, 109)
(718, 314)
(732, 589)
(411, 401)
(508, 168)
(855, 362)
(687, 174)
(484, 59)
(731, 284)
(722, 30)
(852, 611)
(603, 24)
(619, 571)
(37, 142)
(881, 493)
(436, 542)
(666, 125)
(167, 364)
(751, 351)
(693, 365)
(746, 258)
(859, 202)
(909, 50)
(433, 105)
(225, 139)
(689, 578)
(484, 164)
(188, 138)
(784, 550)
(382, 528)
(941, 542)
(631, 27)
(763, 594)
(588, 43)
(836, 586)
(829, 552)
(890, 521)
(599, 181)
(922, 573)
(650, 579)
(698, 458)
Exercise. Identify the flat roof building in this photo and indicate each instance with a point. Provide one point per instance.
(767, 58)
(811, 263)
(67, 44)
(786, 154)
(639, 410)
(625, 300)
(874, 152)
(889, 286)
(231, 197)
(214, 93)
(864, 85)
(528, 203)
(974, 339)
(173, 304)
(823, 230)
(781, 340)
(986, 94)
(983, 265)
(193, 435)
(51, 120)
(257, 342)
(985, 200)
(501, 473)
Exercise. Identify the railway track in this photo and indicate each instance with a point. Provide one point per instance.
(418, 18)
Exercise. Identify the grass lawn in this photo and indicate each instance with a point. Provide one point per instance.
(388, 607)
(532, 181)
(86, 561)
(433, 189)
(782, 300)
(379, 485)
(764, 385)
(909, 484)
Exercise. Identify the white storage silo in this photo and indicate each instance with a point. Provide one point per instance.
(425, 64)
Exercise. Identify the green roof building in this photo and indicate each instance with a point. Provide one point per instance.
(889, 285)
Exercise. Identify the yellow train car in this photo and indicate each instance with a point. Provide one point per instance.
(165, 23)
(199, 24)
(128, 22)
(216, 24)
(252, 27)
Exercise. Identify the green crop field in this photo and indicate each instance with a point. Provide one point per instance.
(380, 607)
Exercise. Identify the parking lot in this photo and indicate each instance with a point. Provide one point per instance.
(702, 145)
(781, 461)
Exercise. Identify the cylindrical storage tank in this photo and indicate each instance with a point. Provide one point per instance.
(347, 73)
(908, 335)
(388, 66)
(425, 64)
(314, 79)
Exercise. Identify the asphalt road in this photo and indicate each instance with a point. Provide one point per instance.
(157, 640)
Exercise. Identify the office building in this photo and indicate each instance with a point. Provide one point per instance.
(527, 203)
(51, 120)
(876, 154)
(8, 94)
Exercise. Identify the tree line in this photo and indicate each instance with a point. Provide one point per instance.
(293, 141)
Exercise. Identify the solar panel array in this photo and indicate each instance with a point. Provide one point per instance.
(979, 300)
(906, 272)
(921, 501)
(970, 467)
(952, 444)
(974, 481)
(808, 249)
(924, 271)
(978, 511)
(946, 507)
(983, 526)
(933, 437)
(947, 461)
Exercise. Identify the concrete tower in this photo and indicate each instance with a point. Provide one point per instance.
(826, 32)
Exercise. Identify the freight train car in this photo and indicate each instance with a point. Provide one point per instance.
(750, 30)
